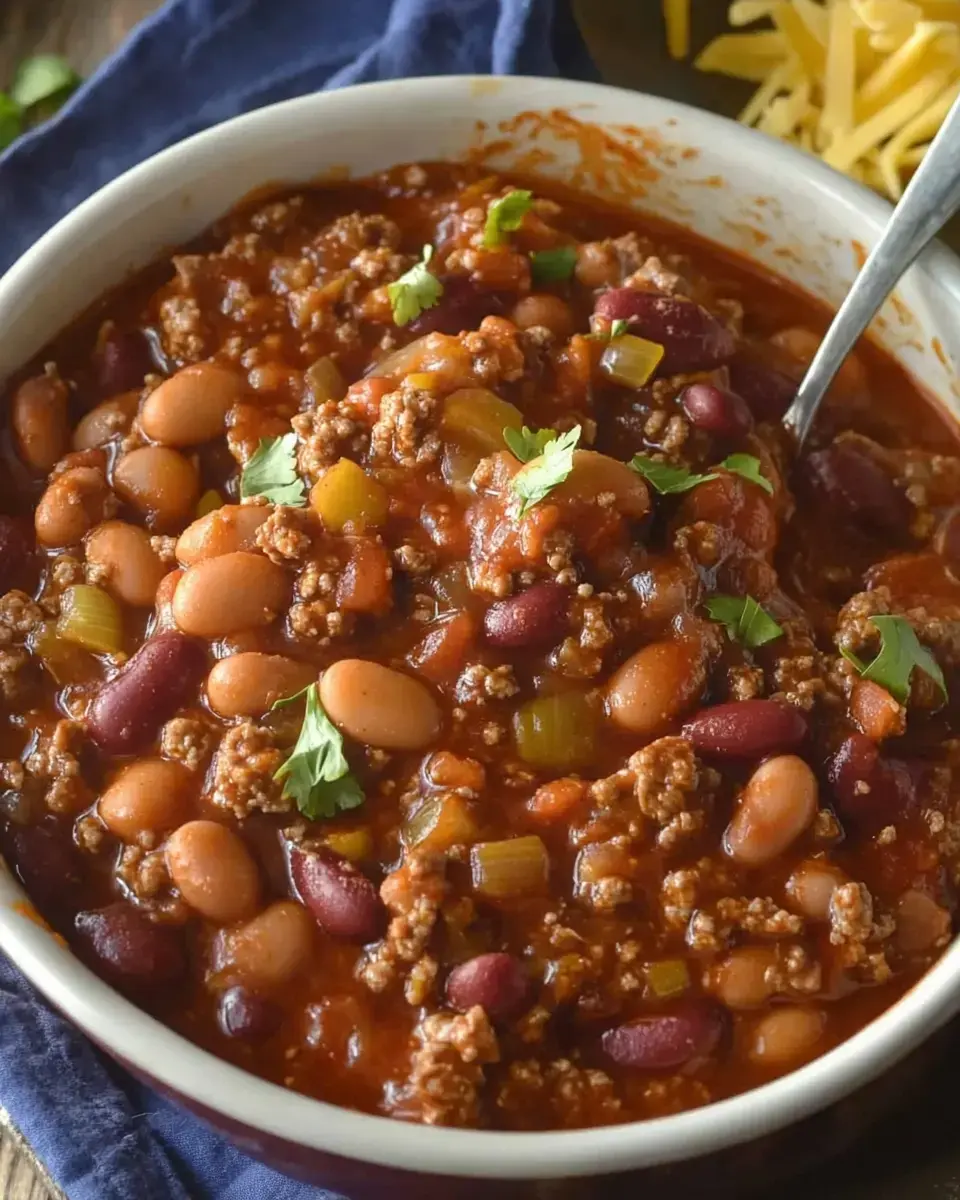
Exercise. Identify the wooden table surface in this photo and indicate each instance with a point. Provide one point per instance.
(909, 1155)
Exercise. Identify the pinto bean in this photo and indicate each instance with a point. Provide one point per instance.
(668, 1039)
(246, 685)
(746, 729)
(716, 410)
(494, 981)
(214, 870)
(149, 796)
(342, 899)
(655, 685)
(594, 473)
(543, 309)
(267, 951)
(921, 922)
(123, 361)
(131, 568)
(70, 507)
(247, 1016)
(223, 531)
(735, 504)
(786, 1035)
(851, 482)
(220, 596)
(811, 886)
(129, 709)
(777, 805)
(160, 482)
(379, 706)
(131, 948)
(869, 790)
(743, 979)
(535, 617)
(104, 422)
(692, 338)
(38, 417)
(191, 406)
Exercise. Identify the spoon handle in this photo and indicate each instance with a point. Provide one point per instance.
(932, 197)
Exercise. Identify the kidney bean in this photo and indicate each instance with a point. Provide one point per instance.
(786, 1035)
(123, 361)
(655, 685)
(870, 791)
(191, 406)
(342, 899)
(131, 567)
(47, 864)
(379, 706)
(267, 951)
(247, 1015)
(767, 392)
(850, 480)
(228, 594)
(494, 981)
(921, 922)
(38, 417)
(746, 729)
(776, 806)
(665, 1040)
(693, 339)
(130, 947)
(15, 549)
(246, 685)
(536, 617)
(223, 531)
(214, 870)
(716, 410)
(70, 507)
(148, 796)
(462, 306)
(129, 709)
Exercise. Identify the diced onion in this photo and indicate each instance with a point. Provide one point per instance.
(324, 380)
(631, 360)
(90, 618)
(353, 844)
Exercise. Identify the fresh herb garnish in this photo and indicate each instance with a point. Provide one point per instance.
(526, 444)
(748, 467)
(39, 87)
(618, 327)
(553, 266)
(542, 474)
(415, 291)
(506, 216)
(664, 478)
(317, 775)
(746, 622)
(900, 655)
(272, 473)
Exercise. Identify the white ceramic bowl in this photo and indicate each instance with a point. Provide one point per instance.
(733, 185)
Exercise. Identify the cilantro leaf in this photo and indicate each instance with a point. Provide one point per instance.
(664, 478)
(415, 291)
(317, 775)
(542, 474)
(43, 78)
(618, 327)
(900, 654)
(553, 266)
(748, 467)
(526, 444)
(746, 622)
(506, 216)
(11, 121)
(272, 473)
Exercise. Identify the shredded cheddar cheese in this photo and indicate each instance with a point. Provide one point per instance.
(863, 84)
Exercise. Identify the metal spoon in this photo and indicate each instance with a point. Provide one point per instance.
(931, 198)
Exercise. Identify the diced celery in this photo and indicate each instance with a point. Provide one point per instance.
(631, 360)
(478, 416)
(90, 618)
(510, 869)
(556, 732)
(668, 978)
(347, 496)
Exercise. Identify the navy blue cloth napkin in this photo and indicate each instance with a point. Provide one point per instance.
(102, 1135)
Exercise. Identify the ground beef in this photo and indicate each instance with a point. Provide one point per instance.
(286, 536)
(413, 893)
(332, 430)
(405, 431)
(246, 762)
(188, 740)
(478, 684)
(798, 672)
(496, 352)
(712, 928)
(314, 615)
(537, 1095)
(54, 765)
(184, 334)
(413, 559)
(856, 633)
(19, 617)
(142, 874)
(446, 1073)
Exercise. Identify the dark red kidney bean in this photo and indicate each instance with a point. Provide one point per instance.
(494, 981)
(462, 306)
(127, 712)
(692, 339)
(849, 479)
(15, 549)
(716, 410)
(746, 729)
(342, 899)
(247, 1015)
(130, 948)
(665, 1040)
(869, 790)
(122, 362)
(47, 863)
(767, 392)
(536, 617)
(946, 540)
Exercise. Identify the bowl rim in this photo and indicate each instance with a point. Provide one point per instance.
(180, 1066)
